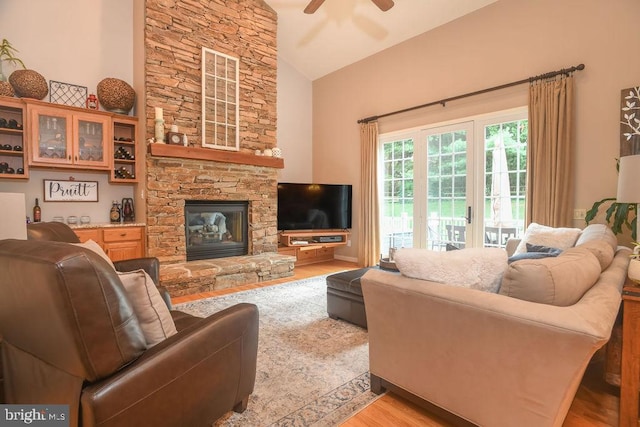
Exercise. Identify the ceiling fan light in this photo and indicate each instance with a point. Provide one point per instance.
(384, 5)
(313, 6)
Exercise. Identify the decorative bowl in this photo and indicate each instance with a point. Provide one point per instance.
(72, 219)
(116, 95)
(6, 89)
(85, 219)
(29, 84)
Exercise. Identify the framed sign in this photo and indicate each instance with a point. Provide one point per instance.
(70, 191)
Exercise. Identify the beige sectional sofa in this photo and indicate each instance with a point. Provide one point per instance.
(494, 359)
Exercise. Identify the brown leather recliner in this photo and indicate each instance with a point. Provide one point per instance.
(70, 336)
(61, 232)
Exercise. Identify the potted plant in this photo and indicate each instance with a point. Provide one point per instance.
(7, 53)
(634, 264)
(617, 215)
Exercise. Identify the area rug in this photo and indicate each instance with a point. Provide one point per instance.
(311, 370)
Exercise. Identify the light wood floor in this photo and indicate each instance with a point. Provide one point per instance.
(595, 404)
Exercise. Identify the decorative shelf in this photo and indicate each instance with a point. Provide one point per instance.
(197, 153)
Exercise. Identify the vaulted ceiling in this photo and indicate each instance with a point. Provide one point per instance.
(342, 32)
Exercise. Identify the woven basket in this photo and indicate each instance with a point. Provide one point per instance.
(116, 95)
(29, 84)
(6, 89)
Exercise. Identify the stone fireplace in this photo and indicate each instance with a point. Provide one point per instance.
(175, 183)
(174, 34)
(215, 229)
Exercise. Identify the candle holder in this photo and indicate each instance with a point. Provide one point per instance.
(159, 131)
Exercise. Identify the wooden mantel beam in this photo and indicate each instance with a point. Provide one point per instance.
(208, 154)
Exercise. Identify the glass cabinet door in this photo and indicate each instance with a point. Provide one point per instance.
(91, 141)
(51, 137)
(70, 138)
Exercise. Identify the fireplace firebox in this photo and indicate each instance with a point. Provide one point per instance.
(215, 229)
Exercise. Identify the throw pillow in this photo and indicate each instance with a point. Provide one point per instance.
(560, 280)
(598, 232)
(543, 249)
(536, 234)
(475, 268)
(153, 314)
(535, 252)
(95, 247)
(530, 255)
(602, 251)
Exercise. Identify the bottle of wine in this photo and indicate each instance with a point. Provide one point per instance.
(37, 212)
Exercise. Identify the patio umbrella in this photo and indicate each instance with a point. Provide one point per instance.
(501, 215)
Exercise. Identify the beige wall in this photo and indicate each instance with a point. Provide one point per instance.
(294, 124)
(72, 41)
(506, 41)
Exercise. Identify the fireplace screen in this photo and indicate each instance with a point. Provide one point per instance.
(215, 229)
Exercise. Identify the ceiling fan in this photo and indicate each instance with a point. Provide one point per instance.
(313, 5)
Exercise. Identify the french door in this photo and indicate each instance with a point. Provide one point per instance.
(448, 202)
(457, 185)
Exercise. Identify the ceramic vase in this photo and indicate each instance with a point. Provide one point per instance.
(634, 270)
(276, 152)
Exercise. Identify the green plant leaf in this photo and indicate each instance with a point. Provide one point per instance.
(620, 217)
(7, 53)
(591, 213)
(610, 211)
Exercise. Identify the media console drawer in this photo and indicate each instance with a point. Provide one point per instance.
(124, 233)
(308, 254)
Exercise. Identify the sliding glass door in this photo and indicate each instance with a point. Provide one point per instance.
(454, 186)
(397, 210)
(449, 199)
(505, 179)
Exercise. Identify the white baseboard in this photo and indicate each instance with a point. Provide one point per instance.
(345, 258)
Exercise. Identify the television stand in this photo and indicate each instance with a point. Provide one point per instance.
(311, 246)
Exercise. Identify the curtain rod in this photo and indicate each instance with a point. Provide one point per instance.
(443, 102)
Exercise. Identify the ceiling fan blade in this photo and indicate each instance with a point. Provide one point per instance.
(313, 6)
(384, 5)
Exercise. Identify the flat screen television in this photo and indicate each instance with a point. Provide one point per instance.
(314, 206)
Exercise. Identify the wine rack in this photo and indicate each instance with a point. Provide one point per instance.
(13, 150)
(125, 166)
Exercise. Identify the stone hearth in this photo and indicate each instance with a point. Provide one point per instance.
(222, 273)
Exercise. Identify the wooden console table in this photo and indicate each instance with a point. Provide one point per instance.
(630, 377)
(311, 246)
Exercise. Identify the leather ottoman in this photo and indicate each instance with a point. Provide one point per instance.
(344, 297)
